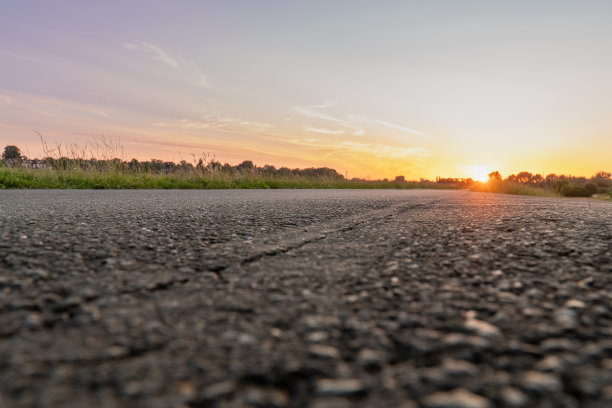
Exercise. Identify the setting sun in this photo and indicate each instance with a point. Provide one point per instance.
(477, 172)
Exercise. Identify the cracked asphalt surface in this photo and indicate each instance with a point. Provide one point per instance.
(304, 298)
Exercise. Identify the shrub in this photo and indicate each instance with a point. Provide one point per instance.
(577, 190)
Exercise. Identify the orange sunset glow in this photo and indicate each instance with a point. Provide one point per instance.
(420, 90)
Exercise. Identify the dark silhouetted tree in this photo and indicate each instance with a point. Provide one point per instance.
(11, 152)
(524, 177)
(245, 166)
(602, 175)
(495, 176)
(537, 179)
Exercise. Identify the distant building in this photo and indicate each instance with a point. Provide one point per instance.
(26, 163)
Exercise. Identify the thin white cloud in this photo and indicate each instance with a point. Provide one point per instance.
(259, 125)
(313, 113)
(388, 151)
(152, 51)
(158, 54)
(224, 123)
(327, 104)
(47, 106)
(32, 59)
(405, 129)
(6, 100)
(324, 131)
(358, 124)
(203, 80)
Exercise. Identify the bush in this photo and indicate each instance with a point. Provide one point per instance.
(576, 190)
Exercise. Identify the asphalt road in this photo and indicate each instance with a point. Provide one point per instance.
(304, 298)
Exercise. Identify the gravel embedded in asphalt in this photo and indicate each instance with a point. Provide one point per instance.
(322, 298)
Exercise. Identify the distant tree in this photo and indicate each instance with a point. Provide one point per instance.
(269, 170)
(134, 165)
(11, 152)
(602, 175)
(495, 176)
(551, 178)
(284, 171)
(400, 179)
(246, 166)
(537, 179)
(524, 177)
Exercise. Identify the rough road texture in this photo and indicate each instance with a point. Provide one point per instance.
(304, 298)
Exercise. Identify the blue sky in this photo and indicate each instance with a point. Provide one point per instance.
(375, 89)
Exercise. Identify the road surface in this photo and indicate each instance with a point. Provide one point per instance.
(304, 298)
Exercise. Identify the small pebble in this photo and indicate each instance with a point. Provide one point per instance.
(317, 336)
(543, 383)
(33, 321)
(219, 390)
(369, 359)
(566, 318)
(481, 327)
(343, 387)
(458, 368)
(575, 304)
(321, 351)
(457, 398)
(513, 397)
(550, 363)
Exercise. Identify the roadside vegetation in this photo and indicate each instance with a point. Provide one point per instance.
(67, 167)
(60, 170)
(525, 183)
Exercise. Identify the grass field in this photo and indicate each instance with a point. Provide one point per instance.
(118, 179)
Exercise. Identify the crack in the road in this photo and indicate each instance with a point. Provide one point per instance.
(317, 235)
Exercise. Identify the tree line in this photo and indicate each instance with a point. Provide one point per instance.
(566, 185)
(12, 156)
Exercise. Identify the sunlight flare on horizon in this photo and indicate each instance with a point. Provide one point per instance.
(477, 172)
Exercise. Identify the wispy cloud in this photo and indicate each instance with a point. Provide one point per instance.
(324, 131)
(316, 112)
(387, 151)
(158, 54)
(203, 80)
(47, 106)
(405, 129)
(326, 104)
(312, 112)
(356, 123)
(31, 59)
(152, 51)
(259, 125)
(223, 123)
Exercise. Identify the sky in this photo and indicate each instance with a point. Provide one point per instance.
(374, 89)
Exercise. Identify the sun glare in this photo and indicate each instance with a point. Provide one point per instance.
(477, 172)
